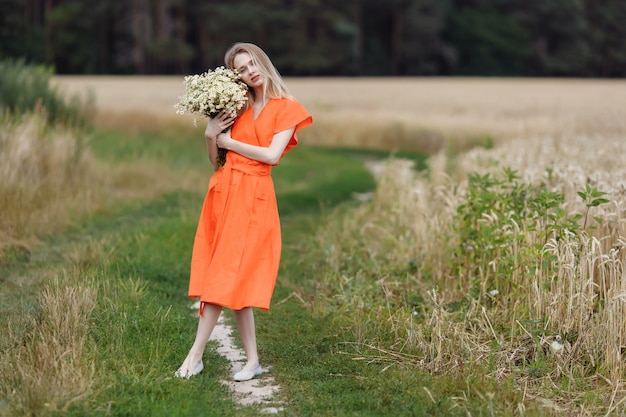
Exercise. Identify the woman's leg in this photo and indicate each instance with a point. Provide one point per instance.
(206, 324)
(245, 323)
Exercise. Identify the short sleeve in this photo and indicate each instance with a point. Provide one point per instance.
(291, 114)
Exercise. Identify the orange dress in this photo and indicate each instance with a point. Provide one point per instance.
(237, 246)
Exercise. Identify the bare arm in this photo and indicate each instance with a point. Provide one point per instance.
(211, 147)
(269, 155)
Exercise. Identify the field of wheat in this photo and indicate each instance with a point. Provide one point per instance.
(423, 109)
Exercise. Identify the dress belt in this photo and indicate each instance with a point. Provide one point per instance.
(258, 170)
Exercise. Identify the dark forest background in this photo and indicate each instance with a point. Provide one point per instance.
(576, 38)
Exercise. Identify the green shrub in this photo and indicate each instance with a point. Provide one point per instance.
(26, 89)
(495, 221)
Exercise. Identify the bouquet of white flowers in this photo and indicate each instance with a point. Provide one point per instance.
(209, 93)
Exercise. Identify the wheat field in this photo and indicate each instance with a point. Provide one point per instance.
(451, 107)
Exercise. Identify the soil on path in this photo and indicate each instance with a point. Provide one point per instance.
(260, 390)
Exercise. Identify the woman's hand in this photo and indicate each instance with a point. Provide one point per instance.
(224, 140)
(218, 124)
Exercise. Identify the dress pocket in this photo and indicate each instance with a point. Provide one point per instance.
(260, 206)
(215, 201)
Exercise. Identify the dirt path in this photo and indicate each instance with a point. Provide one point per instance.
(260, 390)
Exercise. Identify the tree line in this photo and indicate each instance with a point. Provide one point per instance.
(579, 38)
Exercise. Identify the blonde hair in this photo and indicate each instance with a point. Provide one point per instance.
(274, 86)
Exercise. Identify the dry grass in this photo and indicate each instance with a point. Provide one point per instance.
(439, 111)
(47, 367)
(44, 174)
(46, 353)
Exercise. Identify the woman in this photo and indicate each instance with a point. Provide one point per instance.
(237, 244)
